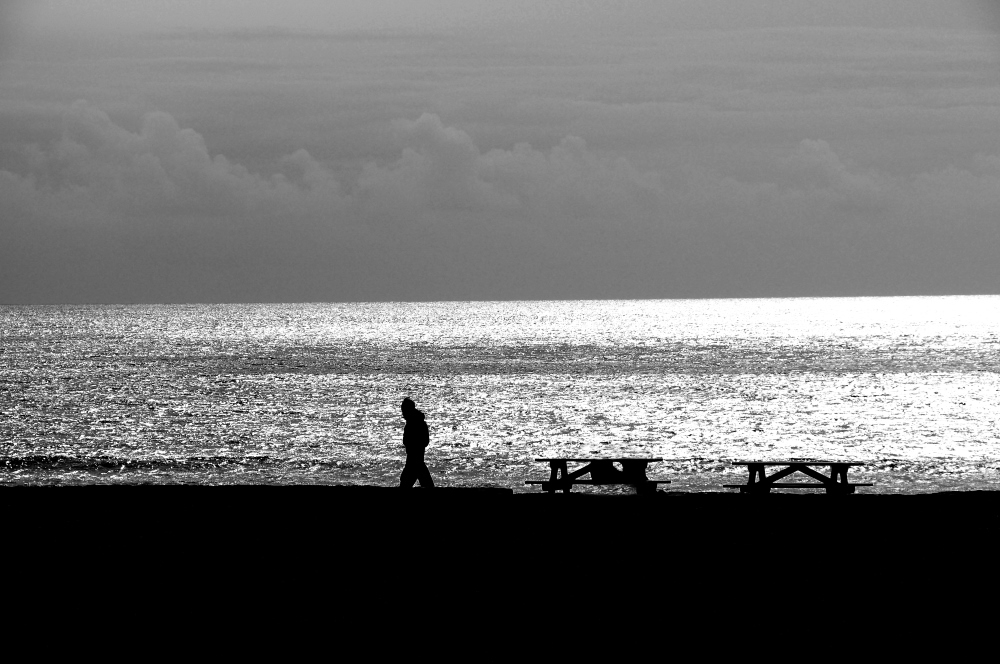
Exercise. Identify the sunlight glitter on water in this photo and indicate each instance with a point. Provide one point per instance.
(310, 393)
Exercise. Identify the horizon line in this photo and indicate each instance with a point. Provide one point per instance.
(486, 301)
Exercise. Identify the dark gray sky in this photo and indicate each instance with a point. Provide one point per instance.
(182, 151)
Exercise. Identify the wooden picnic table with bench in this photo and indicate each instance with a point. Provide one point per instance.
(760, 482)
(601, 471)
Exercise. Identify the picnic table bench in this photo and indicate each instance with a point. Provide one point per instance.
(760, 482)
(601, 471)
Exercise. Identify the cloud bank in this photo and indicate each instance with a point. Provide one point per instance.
(106, 213)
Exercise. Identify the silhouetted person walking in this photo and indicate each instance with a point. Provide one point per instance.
(415, 439)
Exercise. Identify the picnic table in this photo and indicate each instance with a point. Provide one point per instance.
(601, 471)
(760, 482)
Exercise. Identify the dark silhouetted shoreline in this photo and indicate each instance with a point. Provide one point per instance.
(355, 547)
(352, 519)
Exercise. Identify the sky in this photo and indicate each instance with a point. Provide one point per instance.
(183, 151)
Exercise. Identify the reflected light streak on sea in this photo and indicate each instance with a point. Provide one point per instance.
(309, 393)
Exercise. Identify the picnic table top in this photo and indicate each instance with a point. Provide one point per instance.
(605, 459)
(804, 462)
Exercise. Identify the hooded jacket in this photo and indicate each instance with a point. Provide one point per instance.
(415, 435)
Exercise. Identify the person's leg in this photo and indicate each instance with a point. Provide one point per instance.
(408, 477)
(425, 477)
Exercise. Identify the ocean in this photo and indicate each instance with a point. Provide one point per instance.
(310, 393)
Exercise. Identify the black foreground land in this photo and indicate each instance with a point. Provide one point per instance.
(477, 526)
(379, 558)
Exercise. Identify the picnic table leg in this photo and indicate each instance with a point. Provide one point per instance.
(559, 472)
(841, 469)
(757, 469)
(635, 470)
(838, 476)
(635, 474)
